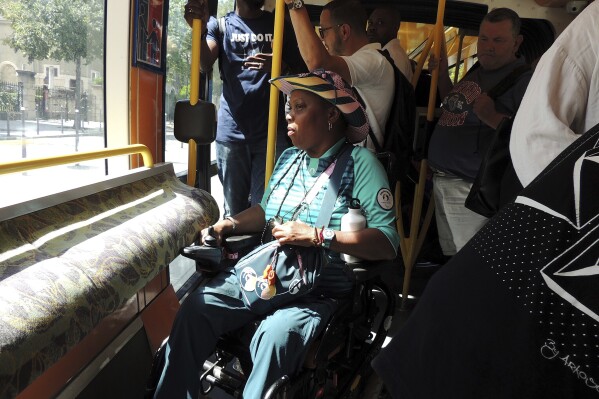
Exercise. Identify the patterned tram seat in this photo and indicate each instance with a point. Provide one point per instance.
(67, 265)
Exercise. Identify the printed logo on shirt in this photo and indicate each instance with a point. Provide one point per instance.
(385, 199)
(251, 37)
(249, 279)
(544, 250)
(573, 274)
(456, 105)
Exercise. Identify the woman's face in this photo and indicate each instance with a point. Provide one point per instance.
(308, 121)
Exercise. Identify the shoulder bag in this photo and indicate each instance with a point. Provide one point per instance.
(272, 274)
(486, 196)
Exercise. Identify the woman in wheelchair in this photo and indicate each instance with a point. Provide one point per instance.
(323, 116)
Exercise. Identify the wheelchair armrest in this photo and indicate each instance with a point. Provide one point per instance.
(212, 259)
(243, 243)
(365, 271)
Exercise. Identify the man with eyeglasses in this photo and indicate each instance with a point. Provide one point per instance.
(343, 47)
(382, 27)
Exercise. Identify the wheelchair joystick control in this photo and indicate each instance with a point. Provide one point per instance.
(210, 240)
(207, 256)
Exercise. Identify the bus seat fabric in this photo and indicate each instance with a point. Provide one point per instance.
(64, 268)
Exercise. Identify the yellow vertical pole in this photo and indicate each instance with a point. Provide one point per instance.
(273, 112)
(194, 94)
(439, 37)
(404, 241)
(422, 58)
(411, 245)
(456, 75)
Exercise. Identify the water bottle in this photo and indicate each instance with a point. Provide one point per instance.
(353, 220)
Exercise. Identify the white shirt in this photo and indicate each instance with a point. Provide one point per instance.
(400, 58)
(562, 99)
(372, 77)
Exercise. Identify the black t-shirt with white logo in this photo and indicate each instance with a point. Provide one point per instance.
(515, 314)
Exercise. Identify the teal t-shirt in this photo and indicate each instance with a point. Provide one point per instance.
(364, 178)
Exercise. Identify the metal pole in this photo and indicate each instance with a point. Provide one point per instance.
(76, 121)
(23, 141)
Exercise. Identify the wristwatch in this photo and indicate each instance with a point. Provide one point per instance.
(295, 5)
(327, 237)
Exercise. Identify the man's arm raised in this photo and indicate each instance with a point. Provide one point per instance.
(311, 48)
(198, 9)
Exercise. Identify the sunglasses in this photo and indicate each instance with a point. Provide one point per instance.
(321, 30)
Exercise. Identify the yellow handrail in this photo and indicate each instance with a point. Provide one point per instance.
(410, 246)
(273, 114)
(44, 162)
(194, 95)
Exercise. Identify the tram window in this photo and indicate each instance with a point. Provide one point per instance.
(178, 59)
(177, 77)
(177, 88)
(413, 36)
(51, 90)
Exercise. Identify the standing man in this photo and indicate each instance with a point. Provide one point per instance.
(468, 119)
(383, 25)
(343, 47)
(243, 47)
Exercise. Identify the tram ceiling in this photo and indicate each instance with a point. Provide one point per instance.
(459, 14)
(465, 16)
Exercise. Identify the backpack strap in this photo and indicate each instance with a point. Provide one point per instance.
(377, 146)
(471, 69)
(221, 27)
(507, 82)
(396, 78)
(221, 30)
(401, 124)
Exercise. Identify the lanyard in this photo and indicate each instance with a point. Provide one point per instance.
(322, 179)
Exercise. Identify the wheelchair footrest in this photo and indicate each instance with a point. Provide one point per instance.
(217, 374)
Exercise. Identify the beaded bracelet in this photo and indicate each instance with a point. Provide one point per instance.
(321, 237)
(316, 240)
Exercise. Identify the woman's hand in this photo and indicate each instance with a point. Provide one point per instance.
(250, 220)
(295, 233)
(214, 231)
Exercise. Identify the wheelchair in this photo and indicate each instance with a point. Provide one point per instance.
(337, 365)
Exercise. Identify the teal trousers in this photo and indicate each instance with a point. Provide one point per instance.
(277, 348)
